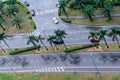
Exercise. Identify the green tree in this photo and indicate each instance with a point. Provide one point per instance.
(32, 39)
(60, 34)
(40, 38)
(108, 8)
(1, 7)
(100, 3)
(1, 22)
(11, 2)
(3, 36)
(61, 6)
(114, 33)
(88, 11)
(51, 39)
(16, 21)
(11, 10)
(101, 34)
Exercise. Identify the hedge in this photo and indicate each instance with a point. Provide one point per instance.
(78, 47)
(33, 24)
(66, 20)
(16, 51)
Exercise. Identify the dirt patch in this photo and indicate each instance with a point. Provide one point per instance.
(95, 49)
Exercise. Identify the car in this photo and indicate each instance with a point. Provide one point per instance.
(55, 20)
(26, 3)
(32, 12)
(94, 40)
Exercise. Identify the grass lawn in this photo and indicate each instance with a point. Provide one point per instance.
(58, 76)
(22, 13)
(97, 21)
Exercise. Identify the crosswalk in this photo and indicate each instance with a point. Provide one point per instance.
(54, 69)
(40, 12)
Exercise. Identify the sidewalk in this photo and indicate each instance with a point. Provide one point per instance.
(83, 17)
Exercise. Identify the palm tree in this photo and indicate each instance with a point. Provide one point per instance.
(114, 33)
(40, 38)
(32, 39)
(100, 3)
(108, 8)
(1, 7)
(101, 34)
(51, 39)
(11, 10)
(93, 36)
(16, 21)
(60, 34)
(3, 36)
(88, 11)
(2, 17)
(61, 6)
(11, 2)
(1, 22)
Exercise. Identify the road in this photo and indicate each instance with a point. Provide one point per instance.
(45, 10)
(60, 62)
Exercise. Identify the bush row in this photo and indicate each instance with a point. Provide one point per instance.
(79, 47)
(67, 20)
(16, 51)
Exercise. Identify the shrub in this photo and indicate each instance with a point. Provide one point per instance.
(66, 20)
(78, 48)
(16, 51)
(33, 24)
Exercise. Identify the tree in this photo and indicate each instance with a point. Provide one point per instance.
(93, 38)
(11, 10)
(108, 8)
(60, 34)
(51, 39)
(32, 39)
(3, 36)
(88, 11)
(114, 33)
(102, 33)
(11, 2)
(61, 6)
(40, 38)
(1, 22)
(16, 21)
(1, 7)
(100, 3)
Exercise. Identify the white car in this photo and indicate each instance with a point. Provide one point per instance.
(55, 20)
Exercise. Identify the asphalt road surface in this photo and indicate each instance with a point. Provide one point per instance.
(60, 62)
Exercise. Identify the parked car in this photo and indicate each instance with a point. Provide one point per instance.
(32, 12)
(26, 3)
(94, 40)
(55, 20)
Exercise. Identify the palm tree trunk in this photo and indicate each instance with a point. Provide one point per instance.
(106, 42)
(44, 45)
(109, 16)
(2, 27)
(51, 45)
(117, 42)
(6, 43)
(90, 17)
(64, 44)
(56, 46)
(19, 26)
(2, 49)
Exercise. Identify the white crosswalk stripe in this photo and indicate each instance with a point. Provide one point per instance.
(55, 69)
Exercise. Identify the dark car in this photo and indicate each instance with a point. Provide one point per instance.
(26, 3)
(32, 12)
